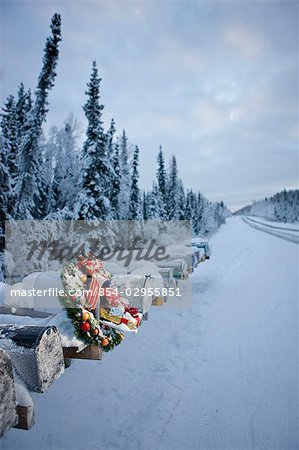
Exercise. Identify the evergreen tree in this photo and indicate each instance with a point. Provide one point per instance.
(70, 175)
(50, 169)
(200, 211)
(156, 204)
(124, 194)
(286, 206)
(173, 191)
(43, 180)
(22, 121)
(30, 157)
(195, 222)
(23, 107)
(62, 176)
(145, 205)
(5, 202)
(14, 124)
(9, 128)
(115, 177)
(93, 199)
(8, 159)
(115, 190)
(182, 201)
(5, 190)
(135, 212)
(161, 175)
(109, 139)
(162, 183)
(218, 214)
(189, 205)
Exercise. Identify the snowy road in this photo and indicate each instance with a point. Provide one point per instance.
(282, 231)
(222, 375)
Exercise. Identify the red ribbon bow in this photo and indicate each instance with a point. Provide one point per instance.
(90, 264)
(134, 313)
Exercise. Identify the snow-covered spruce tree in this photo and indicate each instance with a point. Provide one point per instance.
(93, 199)
(207, 219)
(6, 193)
(213, 217)
(115, 185)
(162, 183)
(23, 107)
(145, 205)
(219, 214)
(9, 129)
(286, 206)
(182, 201)
(188, 210)
(112, 150)
(62, 148)
(14, 124)
(109, 139)
(6, 196)
(135, 210)
(28, 195)
(43, 179)
(23, 104)
(195, 222)
(155, 203)
(69, 181)
(191, 211)
(161, 175)
(124, 194)
(48, 169)
(173, 191)
(200, 211)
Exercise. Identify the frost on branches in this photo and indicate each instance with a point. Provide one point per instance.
(93, 199)
(52, 176)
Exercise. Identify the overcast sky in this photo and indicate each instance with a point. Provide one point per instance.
(215, 83)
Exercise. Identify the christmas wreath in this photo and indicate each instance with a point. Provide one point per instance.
(96, 322)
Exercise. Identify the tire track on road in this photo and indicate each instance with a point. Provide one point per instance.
(261, 227)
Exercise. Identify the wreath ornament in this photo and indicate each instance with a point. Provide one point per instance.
(97, 311)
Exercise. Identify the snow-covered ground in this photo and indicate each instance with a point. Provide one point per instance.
(275, 224)
(222, 375)
(286, 231)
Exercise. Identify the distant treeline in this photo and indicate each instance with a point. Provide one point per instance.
(283, 207)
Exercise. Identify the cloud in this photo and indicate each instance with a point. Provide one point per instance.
(209, 115)
(245, 40)
(216, 83)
